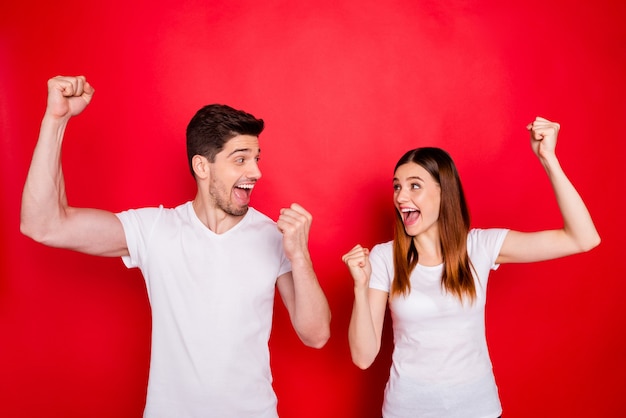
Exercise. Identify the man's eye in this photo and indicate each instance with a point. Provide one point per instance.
(239, 160)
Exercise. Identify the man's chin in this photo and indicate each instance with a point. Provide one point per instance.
(240, 211)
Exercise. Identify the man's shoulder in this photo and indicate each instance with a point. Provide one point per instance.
(153, 213)
(257, 216)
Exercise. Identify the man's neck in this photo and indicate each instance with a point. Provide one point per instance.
(214, 218)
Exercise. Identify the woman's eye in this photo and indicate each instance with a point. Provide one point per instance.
(415, 186)
(396, 187)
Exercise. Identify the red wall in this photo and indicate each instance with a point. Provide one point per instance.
(345, 88)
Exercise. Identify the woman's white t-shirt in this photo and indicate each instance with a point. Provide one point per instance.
(440, 363)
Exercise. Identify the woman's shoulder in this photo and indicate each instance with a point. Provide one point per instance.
(485, 233)
(383, 246)
(488, 240)
(383, 250)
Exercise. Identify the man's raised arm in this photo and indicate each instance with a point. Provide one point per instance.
(46, 215)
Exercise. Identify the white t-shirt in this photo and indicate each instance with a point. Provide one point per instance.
(212, 300)
(440, 363)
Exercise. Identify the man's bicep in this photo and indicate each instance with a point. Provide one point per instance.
(93, 231)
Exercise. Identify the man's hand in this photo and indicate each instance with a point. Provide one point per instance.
(294, 223)
(68, 96)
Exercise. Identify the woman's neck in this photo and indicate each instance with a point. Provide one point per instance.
(428, 249)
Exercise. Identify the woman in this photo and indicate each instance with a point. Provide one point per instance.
(434, 277)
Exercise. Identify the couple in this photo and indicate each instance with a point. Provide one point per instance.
(216, 257)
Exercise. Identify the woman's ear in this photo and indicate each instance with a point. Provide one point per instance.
(200, 166)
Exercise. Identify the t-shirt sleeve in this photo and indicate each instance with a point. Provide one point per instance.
(285, 265)
(487, 242)
(138, 227)
(381, 259)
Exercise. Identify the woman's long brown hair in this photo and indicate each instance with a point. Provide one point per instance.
(454, 224)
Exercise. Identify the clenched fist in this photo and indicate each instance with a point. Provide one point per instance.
(68, 96)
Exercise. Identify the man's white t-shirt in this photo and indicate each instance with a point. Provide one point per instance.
(212, 299)
(440, 363)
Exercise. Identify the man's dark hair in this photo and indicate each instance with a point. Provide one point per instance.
(214, 125)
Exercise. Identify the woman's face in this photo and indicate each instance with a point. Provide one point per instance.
(417, 197)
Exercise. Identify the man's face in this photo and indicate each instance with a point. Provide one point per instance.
(234, 174)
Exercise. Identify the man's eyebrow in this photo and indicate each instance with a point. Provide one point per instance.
(244, 150)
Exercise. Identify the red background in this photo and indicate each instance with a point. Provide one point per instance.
(345, 88)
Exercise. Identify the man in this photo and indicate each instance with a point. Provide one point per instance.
(211, 265)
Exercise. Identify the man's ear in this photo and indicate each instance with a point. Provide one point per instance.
(200, 166)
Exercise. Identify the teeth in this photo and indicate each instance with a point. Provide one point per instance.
(404, 210)
(245, 186)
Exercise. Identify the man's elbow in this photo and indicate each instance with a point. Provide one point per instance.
(38, 232)
(313, 330)
(317, 339)
(362, 363)
(31, 231)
